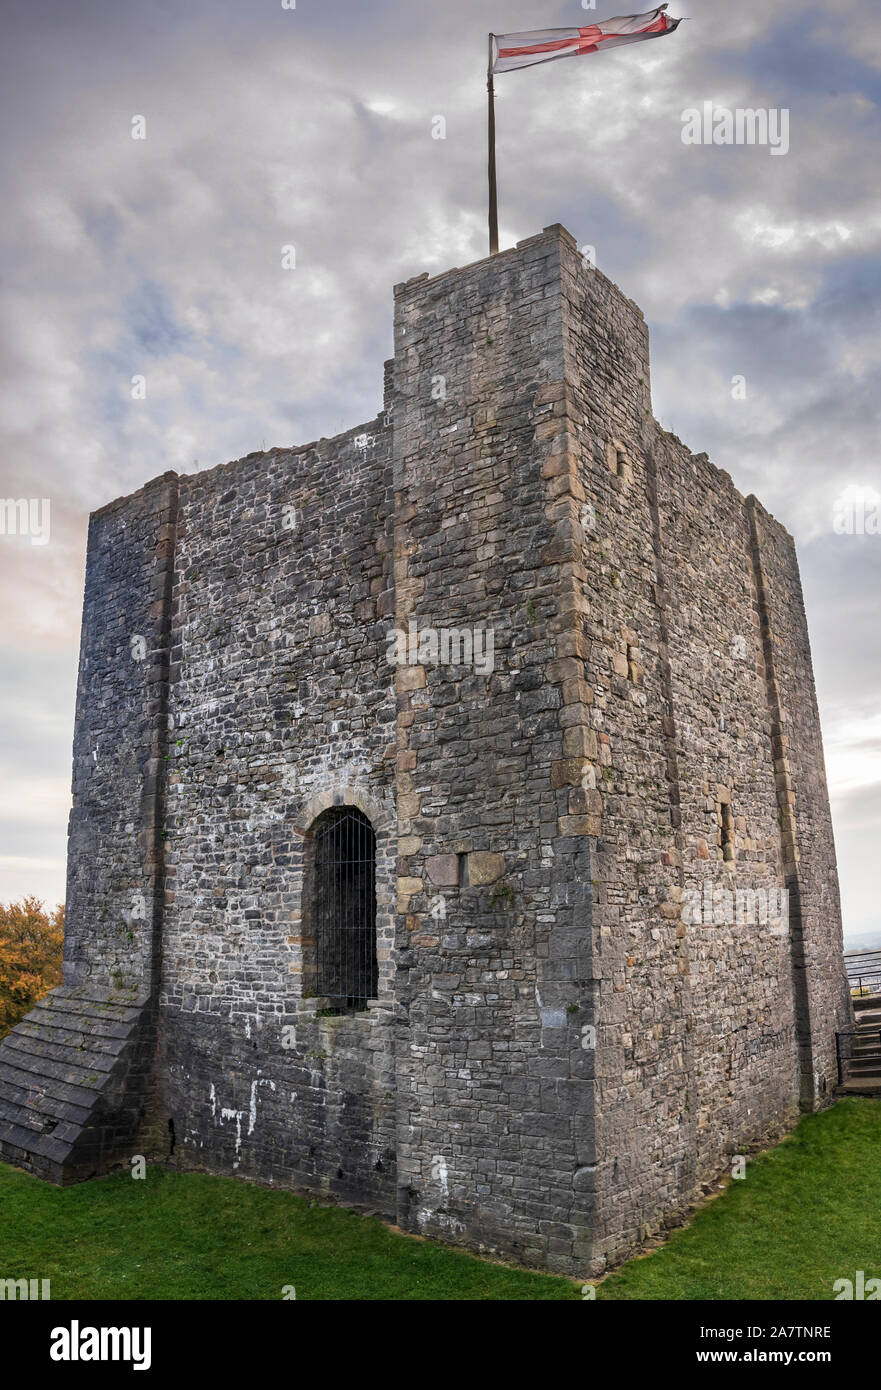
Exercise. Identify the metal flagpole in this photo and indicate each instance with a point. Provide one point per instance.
(491, 133)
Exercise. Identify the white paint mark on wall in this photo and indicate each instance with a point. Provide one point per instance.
(440, 1173)
(252, 1108)
(439, 1218)
(237, 1116)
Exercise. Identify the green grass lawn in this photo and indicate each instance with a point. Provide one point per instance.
(193, 1236)
(807, 1213)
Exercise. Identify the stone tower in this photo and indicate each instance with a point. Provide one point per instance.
(605, 928)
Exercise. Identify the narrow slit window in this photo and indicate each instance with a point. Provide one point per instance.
(345, 909)
(726, 830)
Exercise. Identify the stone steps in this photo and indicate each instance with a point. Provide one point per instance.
(72, 1080)
(865, 1086)
(871, 1066)
(862, 1069)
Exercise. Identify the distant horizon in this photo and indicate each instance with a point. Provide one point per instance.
(865, 936)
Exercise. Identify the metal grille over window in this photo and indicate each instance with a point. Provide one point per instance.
(345, 903)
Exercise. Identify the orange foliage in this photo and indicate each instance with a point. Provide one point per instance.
(30, 957)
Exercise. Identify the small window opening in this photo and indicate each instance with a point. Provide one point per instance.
(345, 909)
(726, 830)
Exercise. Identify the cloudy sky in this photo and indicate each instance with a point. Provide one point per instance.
(312, 127)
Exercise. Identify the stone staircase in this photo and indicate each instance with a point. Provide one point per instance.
(74, 1076)
(861, 1071)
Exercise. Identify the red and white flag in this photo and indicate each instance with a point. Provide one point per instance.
(541, 45)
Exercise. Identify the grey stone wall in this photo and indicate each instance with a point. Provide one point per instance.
(572, 1032)
(115, 845)
(282, 705)
(495, 1094)
(807, 843)
(663, 697)
(699, 1029)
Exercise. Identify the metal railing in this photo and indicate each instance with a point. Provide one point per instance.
(863, 972)
(842, 1057)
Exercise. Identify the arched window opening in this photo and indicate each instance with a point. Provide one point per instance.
(345, 909)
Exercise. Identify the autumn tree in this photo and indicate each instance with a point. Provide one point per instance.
(31, 939)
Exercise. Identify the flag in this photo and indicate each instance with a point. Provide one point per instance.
(541, 45)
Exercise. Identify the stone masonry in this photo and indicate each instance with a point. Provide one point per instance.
(573, 1030)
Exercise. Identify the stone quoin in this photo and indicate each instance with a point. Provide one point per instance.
(552, 1056)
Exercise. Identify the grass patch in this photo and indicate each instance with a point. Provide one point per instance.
(807, 1213)
(194, 1236)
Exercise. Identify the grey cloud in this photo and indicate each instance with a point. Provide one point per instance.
(312, 127)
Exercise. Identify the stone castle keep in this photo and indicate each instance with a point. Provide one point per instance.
(448, 938)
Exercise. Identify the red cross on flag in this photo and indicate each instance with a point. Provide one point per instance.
(513, 51)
